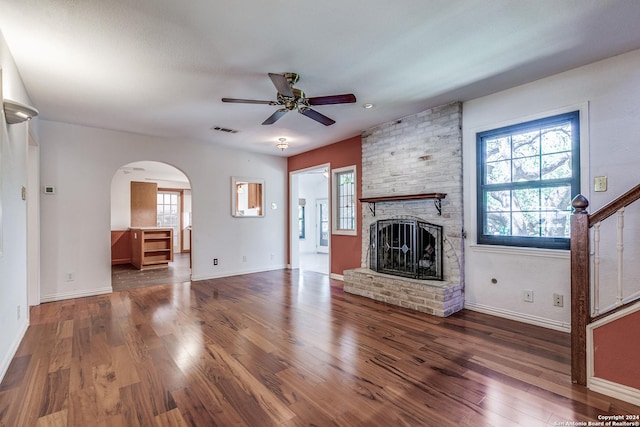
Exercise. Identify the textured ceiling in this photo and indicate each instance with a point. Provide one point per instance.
(161, 67)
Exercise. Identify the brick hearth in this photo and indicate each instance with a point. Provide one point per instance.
(435, 297)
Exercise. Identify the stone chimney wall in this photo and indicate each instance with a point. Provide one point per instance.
(418, 154)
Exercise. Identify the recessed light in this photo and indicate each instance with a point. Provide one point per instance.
(367, 106)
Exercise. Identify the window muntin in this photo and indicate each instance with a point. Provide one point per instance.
(527, 176)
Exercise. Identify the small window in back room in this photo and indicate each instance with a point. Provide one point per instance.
(301, 222)
(344, 201)
(168, 211)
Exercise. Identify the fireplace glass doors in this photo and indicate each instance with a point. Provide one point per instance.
(407, 248)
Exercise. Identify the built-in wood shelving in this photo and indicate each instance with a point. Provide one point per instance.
(151, 247)
(437, 200)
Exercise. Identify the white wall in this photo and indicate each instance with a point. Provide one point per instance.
(81, 161)
(13, 214)
(33, 223)
(607, 93)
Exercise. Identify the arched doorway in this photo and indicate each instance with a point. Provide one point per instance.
(150, 201)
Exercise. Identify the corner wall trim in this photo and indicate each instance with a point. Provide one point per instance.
(12, 351)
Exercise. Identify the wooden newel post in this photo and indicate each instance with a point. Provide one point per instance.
(580, 288)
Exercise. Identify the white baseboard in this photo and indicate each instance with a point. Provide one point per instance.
(76, 294)
(615, 390)
(237, 273)
(337, 276)
(6, 362)
(520, 317)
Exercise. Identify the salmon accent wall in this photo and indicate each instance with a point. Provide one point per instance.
(617, 351)
(345, 251)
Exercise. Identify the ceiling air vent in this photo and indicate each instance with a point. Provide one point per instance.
(221, 129)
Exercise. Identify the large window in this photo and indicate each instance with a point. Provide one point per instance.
(527, 175)
(344, 200)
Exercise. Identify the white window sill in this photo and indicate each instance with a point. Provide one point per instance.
(344, 232)
(518, 250)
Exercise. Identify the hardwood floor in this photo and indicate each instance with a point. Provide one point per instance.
(285, 348)
(126, 276)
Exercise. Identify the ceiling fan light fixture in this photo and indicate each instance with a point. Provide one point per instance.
(282, 144)
(290, 98)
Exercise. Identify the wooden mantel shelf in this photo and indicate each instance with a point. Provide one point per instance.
(437, 200)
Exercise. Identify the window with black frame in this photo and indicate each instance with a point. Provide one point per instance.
(527, 175)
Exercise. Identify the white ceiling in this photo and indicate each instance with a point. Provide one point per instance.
(160, 67)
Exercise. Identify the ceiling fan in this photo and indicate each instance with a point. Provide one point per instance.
(290, 98)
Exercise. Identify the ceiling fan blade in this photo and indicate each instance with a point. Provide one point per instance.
(281, 83)
(313, 114)
(248, 101)
(275, 116)
(346, 98)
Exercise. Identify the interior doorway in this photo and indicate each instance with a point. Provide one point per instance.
(310, 235)
(146, 197)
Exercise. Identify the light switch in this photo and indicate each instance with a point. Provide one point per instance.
(600, 183)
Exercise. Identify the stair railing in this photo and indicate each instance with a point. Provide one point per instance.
(583, 309)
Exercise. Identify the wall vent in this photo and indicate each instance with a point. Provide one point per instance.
(221, 129)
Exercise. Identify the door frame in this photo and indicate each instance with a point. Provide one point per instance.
(294, 241)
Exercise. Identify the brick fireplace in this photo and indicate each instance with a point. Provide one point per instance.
(416, 155)
(406, 248)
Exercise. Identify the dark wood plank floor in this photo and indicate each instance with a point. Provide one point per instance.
(285, 348)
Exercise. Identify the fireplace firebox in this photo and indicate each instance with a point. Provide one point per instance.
(407, 248)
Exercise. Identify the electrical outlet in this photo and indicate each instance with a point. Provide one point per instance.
(528, 296)
(244, 258)
(558, 300)
(70, 277)
(600, 183)
(18, 312)
(215, 261)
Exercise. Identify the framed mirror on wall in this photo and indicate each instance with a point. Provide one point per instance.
(247, 197)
